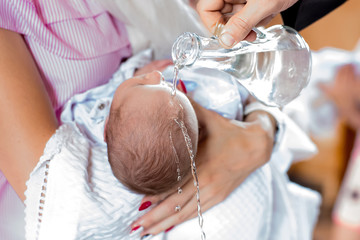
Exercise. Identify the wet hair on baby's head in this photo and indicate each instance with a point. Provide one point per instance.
(141, 152)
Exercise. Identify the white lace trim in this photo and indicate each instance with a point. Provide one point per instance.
(42, 198)
(53, 146)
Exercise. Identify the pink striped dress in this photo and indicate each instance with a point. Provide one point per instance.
(77, 45)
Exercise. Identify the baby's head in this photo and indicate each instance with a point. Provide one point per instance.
(146, 145)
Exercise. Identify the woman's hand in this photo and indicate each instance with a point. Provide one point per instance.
(247, 14)
(228, 153)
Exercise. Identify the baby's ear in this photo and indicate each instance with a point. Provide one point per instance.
(105, 126)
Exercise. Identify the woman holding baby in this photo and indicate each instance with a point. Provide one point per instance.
(52, 50)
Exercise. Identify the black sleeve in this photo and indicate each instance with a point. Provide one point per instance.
(305, 12)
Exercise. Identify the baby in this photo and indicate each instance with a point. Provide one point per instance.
(146, 145)
(145, 135)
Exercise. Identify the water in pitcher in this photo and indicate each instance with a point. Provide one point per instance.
(274, 68)
(271, 76)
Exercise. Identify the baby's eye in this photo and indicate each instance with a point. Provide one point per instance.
(166, 83)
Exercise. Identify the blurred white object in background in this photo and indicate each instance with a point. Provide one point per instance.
(347, 208)
(312, 111)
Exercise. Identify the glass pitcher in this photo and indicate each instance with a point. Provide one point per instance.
(274, 68)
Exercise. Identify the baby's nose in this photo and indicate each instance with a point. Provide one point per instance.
(154, 77)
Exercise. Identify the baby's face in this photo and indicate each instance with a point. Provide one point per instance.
(147, 91)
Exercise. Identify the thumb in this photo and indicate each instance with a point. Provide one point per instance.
(240, 24)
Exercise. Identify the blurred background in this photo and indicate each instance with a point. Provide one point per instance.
(325, 172)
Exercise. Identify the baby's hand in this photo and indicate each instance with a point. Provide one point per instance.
(157, 65)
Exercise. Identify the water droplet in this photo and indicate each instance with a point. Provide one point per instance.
(177, 208)
(194, 174)
(175, 80)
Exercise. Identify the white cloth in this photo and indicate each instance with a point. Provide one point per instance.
(83, 200)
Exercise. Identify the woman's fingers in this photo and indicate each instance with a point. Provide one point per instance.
(215, 186)
(210, 12)
(165, 216)
(175, 218)
(247, 15)
(166, 207)
(211, 193)
(148, 201)
(253, 13)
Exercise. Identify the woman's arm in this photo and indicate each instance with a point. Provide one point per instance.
(27, 119)
(230, 152)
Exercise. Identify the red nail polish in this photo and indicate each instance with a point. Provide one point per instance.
(134, 229)
(145, 205)
(182, 86)
(169, 228)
